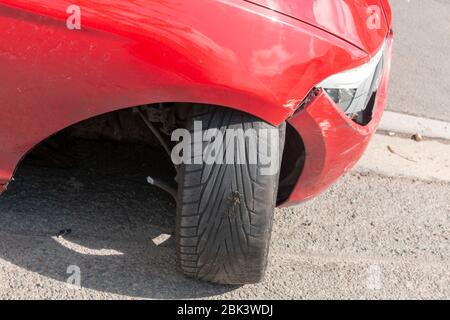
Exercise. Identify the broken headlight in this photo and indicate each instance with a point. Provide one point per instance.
(352, 90)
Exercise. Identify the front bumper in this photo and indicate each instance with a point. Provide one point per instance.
(333, 142)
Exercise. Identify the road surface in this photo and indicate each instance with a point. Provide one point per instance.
(420, 73)
(375, 234)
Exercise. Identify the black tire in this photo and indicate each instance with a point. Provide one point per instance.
(225, 211)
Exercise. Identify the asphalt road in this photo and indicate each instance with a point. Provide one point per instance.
(421, 69)
(370, 236)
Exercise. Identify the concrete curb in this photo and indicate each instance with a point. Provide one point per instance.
(399, 157)
(403, 123)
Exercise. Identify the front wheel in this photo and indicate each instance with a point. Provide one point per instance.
(226, 197)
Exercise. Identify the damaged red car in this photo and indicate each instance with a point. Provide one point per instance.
(313, 71)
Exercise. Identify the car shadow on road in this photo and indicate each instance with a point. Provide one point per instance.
(118, 229)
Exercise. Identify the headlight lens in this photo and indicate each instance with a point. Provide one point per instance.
(352, 90)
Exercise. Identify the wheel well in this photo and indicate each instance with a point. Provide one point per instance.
(292, 163)
(125, 126)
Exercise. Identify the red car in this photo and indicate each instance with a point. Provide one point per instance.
(313, 71)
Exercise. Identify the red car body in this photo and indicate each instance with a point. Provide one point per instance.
(261, 57)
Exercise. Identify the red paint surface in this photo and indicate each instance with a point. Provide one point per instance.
(344, 18)
(224, 52)
(388, 11)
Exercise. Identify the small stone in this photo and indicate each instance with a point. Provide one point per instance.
(417, 137)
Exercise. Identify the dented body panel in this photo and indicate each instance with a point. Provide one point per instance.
(333, 142)
(231, 53)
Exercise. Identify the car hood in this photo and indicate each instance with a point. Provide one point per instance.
(360, 22)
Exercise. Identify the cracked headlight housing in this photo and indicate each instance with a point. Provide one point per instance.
(354, 90)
